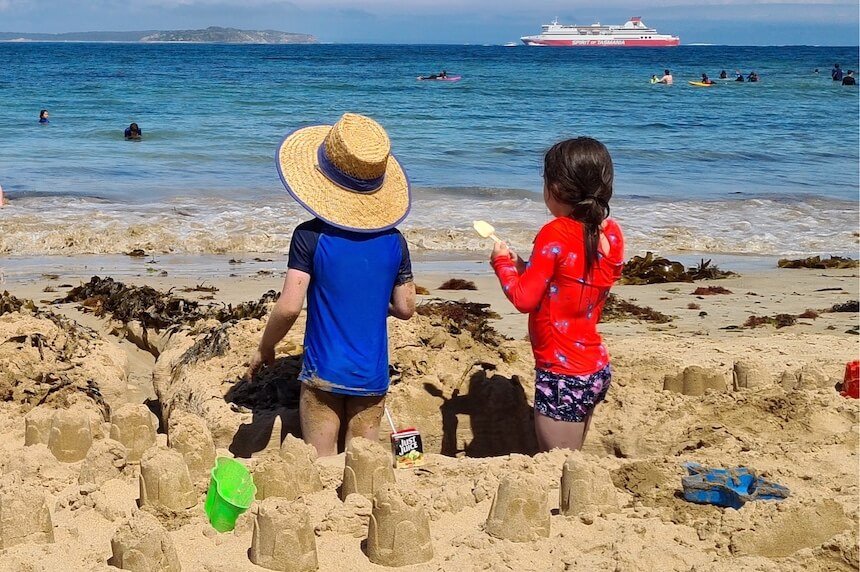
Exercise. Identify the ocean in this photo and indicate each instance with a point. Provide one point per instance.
(764, 169)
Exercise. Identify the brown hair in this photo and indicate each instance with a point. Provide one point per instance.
(579, 173)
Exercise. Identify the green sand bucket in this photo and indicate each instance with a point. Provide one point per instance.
(231, 492)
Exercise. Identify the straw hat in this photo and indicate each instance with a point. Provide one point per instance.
(345, 174)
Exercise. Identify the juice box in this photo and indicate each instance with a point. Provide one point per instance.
(407, 448)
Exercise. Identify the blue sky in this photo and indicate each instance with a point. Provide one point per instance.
(826, 22)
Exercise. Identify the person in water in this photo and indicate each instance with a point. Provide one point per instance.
(724, 75)
(706, 80)
(354, 267)
(667, 77)
(441, 75)
(752, 77)
(133, 132)
(849, 78)
(836, 73)
(654, 78)
(576, 259)
(43, 116)
(739, 76)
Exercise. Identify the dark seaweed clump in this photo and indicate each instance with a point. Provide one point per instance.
(650, 269)
(849, 306)
(158, 310)
(458, 284)
(458, 317)
(9, 304)
(147, 305)
(818, 262)
(421, 290)
(710, 291)
(617, 309)
(779, 320)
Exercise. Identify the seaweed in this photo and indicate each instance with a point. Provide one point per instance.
(710, 291)
(812, 314)
(213, 344)
(458, 317)
(136, 253)
(651, 269)
(693, 306)
(458, 284)
(422, 291)
(158, 310)
(849, 306)
(818, 263)
(617, 309)
(9, 304)
(779, 320)
(199, 288)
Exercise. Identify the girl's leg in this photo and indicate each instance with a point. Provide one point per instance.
(363, 415)
(321, 415)
(554, 434)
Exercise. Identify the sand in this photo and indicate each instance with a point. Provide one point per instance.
(697, 388)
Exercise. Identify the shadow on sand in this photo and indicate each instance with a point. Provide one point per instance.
(500, 418)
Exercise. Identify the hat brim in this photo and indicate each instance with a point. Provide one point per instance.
(296, 159)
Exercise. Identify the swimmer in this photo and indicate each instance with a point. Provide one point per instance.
(667, 77)
(724, 75)
(133, 132)
(43, 116)
(706, 80)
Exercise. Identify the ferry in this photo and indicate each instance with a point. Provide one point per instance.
(634, 33)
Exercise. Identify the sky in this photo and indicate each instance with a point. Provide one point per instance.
(743, 22)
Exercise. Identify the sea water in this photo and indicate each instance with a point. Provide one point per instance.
(769, 168)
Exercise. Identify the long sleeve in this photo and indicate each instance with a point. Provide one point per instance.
(526, 290)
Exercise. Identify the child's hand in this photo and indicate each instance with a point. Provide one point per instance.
(500, 249)
(261, 358)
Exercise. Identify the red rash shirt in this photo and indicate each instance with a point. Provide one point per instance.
(563, 306)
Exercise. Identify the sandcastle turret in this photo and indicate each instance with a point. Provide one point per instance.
(142, 544)
(288, 474)
(72, 433)
(24, 515)
(283, 537)
(695, 380)
(134, 425)
(368, 467)
(399, 529)
(189, 434)
(585, 487)
(520, 510)
(164, 480)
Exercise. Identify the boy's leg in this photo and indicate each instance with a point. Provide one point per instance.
(363, 415)
(321, 414)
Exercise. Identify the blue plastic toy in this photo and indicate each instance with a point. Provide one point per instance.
(728, 487)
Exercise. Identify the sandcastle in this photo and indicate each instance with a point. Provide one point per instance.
(585, 487)
(520, 510)
(24, 515)
(368, 467)
(164, 480)
(399, 529)
(37, 425)
(189, 434)
(289, 474)
(106, 460)
(694, 381)
(747, 374)
(142, 544)
(72, 433)
(283, 537)
(134, 425)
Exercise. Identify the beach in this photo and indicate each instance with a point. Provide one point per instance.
(137, 278)
(468, 392)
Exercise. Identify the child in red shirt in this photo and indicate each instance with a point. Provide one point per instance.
(577, 257)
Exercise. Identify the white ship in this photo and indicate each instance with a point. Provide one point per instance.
(634, 33)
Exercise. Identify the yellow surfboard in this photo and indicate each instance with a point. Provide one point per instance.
(700, 84)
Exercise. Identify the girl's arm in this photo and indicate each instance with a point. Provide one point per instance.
(525, 290)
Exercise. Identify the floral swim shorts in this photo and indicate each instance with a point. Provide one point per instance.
(570, 398)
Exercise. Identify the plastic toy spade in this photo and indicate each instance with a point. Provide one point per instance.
(486, 230)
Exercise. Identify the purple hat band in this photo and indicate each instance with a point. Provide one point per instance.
(333, 173)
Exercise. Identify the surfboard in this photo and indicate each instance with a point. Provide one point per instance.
(449, 78)
(700, 84)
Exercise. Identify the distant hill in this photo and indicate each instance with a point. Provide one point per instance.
(211, 35)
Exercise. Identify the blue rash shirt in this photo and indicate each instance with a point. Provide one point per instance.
(353, 275)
